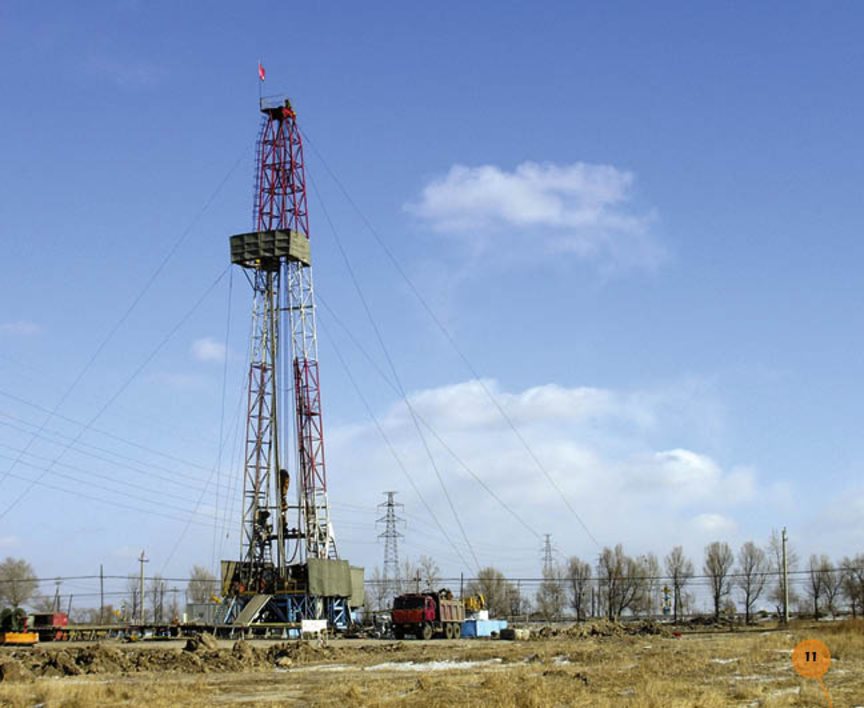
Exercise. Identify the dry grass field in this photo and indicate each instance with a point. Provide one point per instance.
(612, 668)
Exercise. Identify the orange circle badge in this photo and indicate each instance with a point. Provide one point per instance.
(811, 658)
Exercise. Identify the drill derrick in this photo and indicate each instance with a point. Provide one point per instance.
(276, 259)
(288, 571)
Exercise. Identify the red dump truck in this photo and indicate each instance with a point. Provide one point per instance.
(428, 614)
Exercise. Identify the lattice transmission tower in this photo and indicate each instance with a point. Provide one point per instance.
(391, 536)
(548, 561)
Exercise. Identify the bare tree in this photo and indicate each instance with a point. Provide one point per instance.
(718, 563)
(680, 571)
(649, 585)
(517, 603)
(753, 566)
(833, 586)
(95, 615)
(579, 577)
(17, 582)
(429, 572)
(44, 603)
(409, 575)
(815, 584)
(550, 595)
(620, 579)
(202, 585)
(157, 597)
(135, 611)
(379, 594)
(173, 606)
(853, 583)
(502, 597)
(823, 584)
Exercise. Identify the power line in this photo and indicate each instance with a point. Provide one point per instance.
(176, 477)
(461, 462)
(222, 415)
(523, 579)
(116, 394)
(119, 323)
(445, 332)
(389, 444)
(108, 478)
(102, 433)
(398, 381)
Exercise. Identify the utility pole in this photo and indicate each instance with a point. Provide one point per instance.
(101, 595)
(142, 560)
(56, 606)
(391, 537)
(547, 555)
(785, 581)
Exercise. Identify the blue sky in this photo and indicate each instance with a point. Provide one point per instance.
(640, 224)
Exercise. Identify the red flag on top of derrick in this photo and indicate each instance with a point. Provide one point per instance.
(261, 72)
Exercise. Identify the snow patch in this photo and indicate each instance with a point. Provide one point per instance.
(446, 665)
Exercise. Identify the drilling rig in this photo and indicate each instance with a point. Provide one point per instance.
(289, 569)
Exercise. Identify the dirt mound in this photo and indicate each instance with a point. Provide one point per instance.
(203, 641)
(598, 628)
(59, 663)
(244, 652)
(13, 670)
(298, 652)
(605, 628)
(196, 658)
(709, 622)
(649, 627)
(100, 659)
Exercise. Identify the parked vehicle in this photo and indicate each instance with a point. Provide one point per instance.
(13, 628)
(428, 614)
(51, 626)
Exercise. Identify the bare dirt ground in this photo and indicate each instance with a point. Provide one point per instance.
(588, 665)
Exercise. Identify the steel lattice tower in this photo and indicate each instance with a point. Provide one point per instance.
(548, 562)
(391, 536)
(276, 259)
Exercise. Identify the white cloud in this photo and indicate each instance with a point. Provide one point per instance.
(467, 406)
(598, 445)
(716, 524)
(580, 208)
(208, 349)
(8, 541)
(22, 328)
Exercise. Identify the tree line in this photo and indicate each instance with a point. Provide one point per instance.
(620, 585)
(19, 586)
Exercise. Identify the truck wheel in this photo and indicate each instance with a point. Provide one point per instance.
(448, 630)
(427, 631)
(399, 633)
